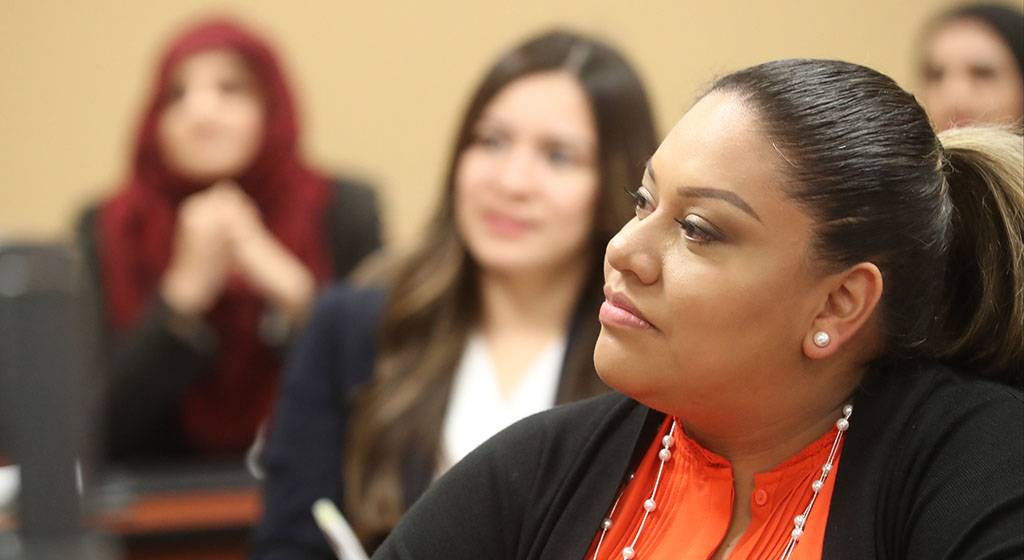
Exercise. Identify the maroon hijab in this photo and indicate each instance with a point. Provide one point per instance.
(220, 412)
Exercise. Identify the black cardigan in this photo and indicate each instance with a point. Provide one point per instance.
(304, 453)
(150, 366)
(932, 468)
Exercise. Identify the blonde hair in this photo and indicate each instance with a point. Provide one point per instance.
(981, 317)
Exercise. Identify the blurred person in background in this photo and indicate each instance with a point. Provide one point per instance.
(208, 256)
(492, 317)
(972, 67)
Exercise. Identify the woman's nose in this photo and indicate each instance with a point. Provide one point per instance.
(958, 90)
(201, 103)
(634, 251)
(517, 173)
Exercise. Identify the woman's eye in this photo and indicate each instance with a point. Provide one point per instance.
(232, 86)
(175, 93)
(488, 140)
(559, 157)
(983, 73)
(642, 203)
(932, 74)
(696, 229)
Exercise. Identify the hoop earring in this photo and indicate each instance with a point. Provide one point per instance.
(822, 339)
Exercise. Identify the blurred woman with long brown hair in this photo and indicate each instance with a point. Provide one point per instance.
(492, 317)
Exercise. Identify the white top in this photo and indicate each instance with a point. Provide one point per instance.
(476, 408)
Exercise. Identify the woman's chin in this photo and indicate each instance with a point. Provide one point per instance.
(206, 170)
(613, 364)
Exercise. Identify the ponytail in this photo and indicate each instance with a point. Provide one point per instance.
(980, 319)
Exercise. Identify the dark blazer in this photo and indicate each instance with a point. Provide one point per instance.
(150, 366)
(932, 468)
(304, 454)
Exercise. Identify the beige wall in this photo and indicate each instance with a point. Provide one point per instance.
(381, 85)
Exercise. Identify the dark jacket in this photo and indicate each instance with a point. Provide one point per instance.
(932, 468)
(150, 366)
(304, 454)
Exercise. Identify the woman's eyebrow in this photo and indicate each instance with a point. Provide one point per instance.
(707, 192)
(720, 194)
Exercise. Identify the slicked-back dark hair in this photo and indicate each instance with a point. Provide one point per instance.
(882, 188)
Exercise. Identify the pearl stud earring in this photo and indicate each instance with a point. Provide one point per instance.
(821, 339)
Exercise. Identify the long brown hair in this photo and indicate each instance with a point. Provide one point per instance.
(433, 301)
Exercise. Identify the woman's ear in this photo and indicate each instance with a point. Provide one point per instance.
(848, 305)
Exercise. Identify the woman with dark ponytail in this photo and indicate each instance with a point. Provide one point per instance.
(815, 324)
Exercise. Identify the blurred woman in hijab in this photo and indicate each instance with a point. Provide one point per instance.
(208, 256)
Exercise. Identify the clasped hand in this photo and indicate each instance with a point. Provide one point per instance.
(219, 232)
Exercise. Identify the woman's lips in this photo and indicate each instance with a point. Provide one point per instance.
(504, 225)
(618, 310)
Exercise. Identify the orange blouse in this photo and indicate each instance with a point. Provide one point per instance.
(695, 499)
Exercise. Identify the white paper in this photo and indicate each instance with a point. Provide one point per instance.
(339, 534)
(10, 480)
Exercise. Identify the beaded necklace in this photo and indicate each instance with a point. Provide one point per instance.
(665, 455)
